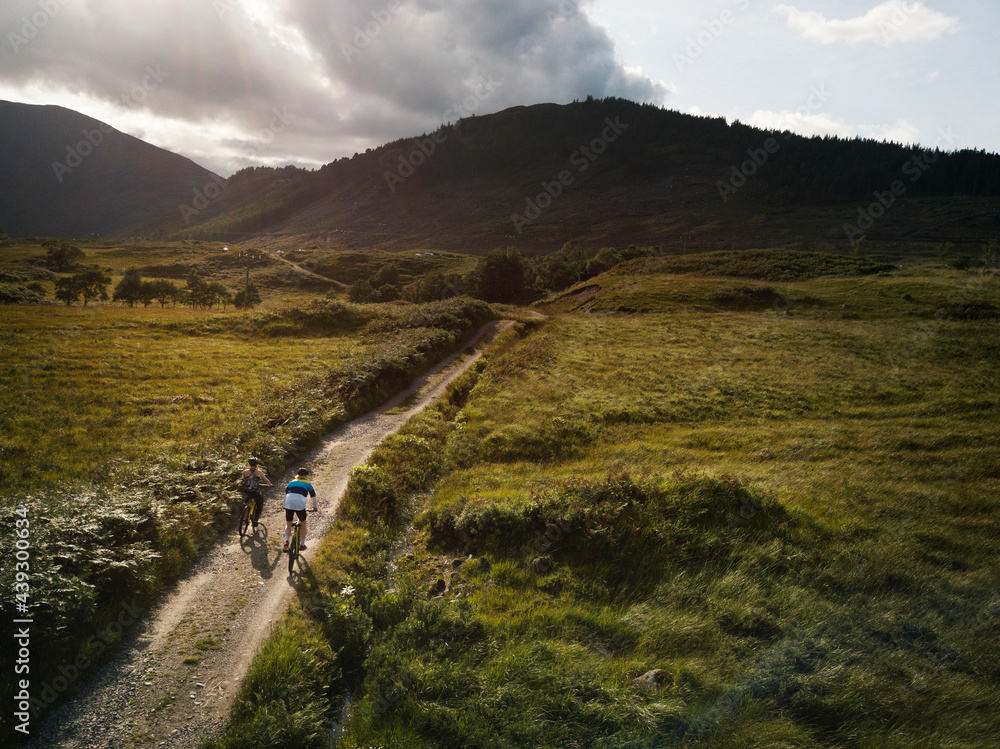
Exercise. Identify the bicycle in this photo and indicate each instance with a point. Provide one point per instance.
(293, 548)
(249, 507)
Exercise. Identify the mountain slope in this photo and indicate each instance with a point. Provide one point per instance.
(600, 172)
(65, 174)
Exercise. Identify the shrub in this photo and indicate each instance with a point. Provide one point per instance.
(370, 495)
(410, 460)
(11, 294)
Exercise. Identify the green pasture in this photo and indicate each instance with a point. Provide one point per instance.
(102, 388)
(791, 519)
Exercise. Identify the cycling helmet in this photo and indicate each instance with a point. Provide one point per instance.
(252, 460)
(302, 472)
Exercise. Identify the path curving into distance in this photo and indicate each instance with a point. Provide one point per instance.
(173, 683)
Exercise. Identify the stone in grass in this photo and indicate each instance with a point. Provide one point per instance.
(652, 680)
(437, 588)
(542, 565)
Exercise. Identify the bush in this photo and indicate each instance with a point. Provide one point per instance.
(410, 460)
(10, 294)
(370, 495)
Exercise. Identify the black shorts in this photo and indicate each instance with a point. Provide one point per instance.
(289, 514)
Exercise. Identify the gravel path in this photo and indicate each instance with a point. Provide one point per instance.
(173, 684)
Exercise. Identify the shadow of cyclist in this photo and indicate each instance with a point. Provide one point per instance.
(255, 544)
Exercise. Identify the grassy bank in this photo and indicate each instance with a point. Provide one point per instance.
(785, 523)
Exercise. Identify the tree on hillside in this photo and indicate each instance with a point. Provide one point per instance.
(197, 293)
(93, 285)
(386, 275)
(60, 256)
(436, 286)
(247, 297)
(560, 269)
(361, 292)
(67, 290)
(89, 284)
(164, 291)
(129, 289)
(217, 293)
(501, 276)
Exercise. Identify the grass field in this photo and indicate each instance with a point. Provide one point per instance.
(123, 430)
(105, 389)
(789, 519)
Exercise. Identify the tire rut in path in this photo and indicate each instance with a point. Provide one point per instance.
(173, 683)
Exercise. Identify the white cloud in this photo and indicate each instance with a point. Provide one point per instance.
(823, 124)
(892, 21)
(349, 75)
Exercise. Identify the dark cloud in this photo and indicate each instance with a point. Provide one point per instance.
(345, 74)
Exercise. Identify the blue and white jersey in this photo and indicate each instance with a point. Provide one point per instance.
(297, 493)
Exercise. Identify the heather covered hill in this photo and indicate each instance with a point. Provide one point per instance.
(604, 171)
(65, 174)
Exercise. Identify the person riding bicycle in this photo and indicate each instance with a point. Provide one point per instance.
(296, 499)
(252, 479)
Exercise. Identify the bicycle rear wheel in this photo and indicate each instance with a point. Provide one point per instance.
(293, 549)
(245, 516)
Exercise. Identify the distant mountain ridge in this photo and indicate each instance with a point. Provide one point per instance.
(599, 172)
(63, 173)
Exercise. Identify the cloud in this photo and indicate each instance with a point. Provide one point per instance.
(823, 124)
(346, 75)
(892, 21)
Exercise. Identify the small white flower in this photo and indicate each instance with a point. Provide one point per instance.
(347, 590)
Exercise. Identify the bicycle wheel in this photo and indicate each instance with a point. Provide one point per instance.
(293, 549)
(245, 516)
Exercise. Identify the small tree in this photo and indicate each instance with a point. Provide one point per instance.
(129, 289)
(361, 292)
(386, 275)
(247, 298)
(93, 285)
(67, 289)
(89, 284)
(60, 256)
(198, 293)
(164, 291)
(217, 293)
(387, 293)
(501, 276)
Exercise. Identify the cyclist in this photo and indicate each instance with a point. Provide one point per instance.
(252, 479)
(296, 499)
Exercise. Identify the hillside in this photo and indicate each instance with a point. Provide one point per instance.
(65, 174)
(604, 172)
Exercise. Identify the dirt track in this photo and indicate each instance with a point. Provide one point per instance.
(148, 695)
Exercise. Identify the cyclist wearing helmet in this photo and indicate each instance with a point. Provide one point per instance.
(252, 479)
(296, 498)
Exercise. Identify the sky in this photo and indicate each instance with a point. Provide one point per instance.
(236, 83)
